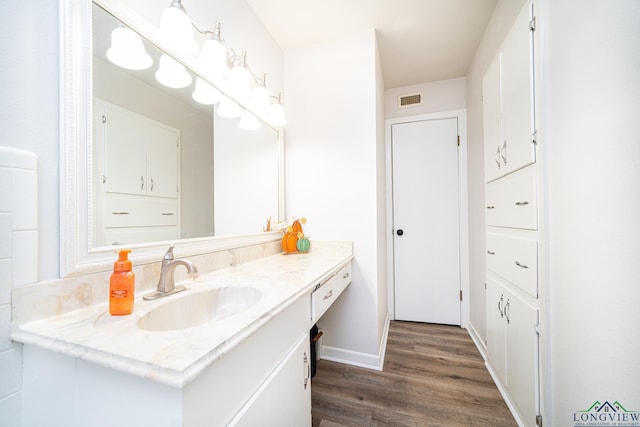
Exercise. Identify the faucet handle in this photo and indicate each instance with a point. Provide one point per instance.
(168, 256)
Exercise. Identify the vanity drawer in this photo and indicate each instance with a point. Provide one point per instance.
(512, 202)
(514, 258)
(327, 293)
(140, 211)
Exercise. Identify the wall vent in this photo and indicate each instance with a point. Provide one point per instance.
(410, 100)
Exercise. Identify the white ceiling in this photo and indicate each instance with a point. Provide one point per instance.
(419, 41)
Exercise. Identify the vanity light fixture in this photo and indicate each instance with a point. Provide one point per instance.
(212, 60)
(176, 30)
(260, 98)
(172, 74)
(239, 76)
(248, 121)
(127, 50)
(205, 94)
(276, 113)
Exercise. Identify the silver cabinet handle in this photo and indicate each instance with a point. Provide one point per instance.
(345, 275)
(329, 294)
(308, 370)
(524, 203)
(119, 213)
(168, 213)
(151, 184)
(521, 265)
(491, 207)
(500, 305)
(491, 252)
(504, 150)
(142, 182)
(506, 312)
(497, 157)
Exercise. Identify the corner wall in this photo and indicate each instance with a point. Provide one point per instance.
(334, 149)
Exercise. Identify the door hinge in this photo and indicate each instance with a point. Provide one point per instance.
(539, 420)
(537, 328)
(532, 24)
(460, 295)
(458, 140)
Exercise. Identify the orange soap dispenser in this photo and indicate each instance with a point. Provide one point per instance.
(121, 285)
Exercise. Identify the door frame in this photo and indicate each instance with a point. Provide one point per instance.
(463, 206)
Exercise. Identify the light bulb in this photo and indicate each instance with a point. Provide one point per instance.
(260, 99)
(172, 74)
(205, 93)
(212, 60)
(276, 115)
(127, 50)
(239, 78)
(176, 31)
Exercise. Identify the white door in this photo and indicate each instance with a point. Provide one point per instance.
(425, 219)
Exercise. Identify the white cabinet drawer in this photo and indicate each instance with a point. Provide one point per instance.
(512, 202)
(515, 259)
(140, 211)
(327, 293)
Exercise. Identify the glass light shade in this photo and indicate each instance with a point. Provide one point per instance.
(276, 115)
(240, 81)
(127, 50)
(213, 59)
(260, 98)
(172, 74)
(176, 31)
(205, 93)
(228, 108)
(248, 121)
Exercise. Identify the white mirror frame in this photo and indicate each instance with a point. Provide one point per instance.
(77, 255)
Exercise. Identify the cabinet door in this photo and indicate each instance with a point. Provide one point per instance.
(162, 160)
(516, 80)
(125, 152)
(522, 356)
(496, 328)
(492, 120)
(284, 399)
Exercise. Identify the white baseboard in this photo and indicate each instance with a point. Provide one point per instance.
(475, 337)
(354, 358)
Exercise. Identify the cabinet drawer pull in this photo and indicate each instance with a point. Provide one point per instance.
(142, 182)
(345, 275)
(521, 265)
(491, 207)
(525, 203)
(168, 213)
(119, 213)
(329, 294)
(491, 252)
(151, 184)
(500, 305)
(307, 365)
(506, 312)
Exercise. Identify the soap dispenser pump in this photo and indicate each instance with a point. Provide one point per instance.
(121, 285)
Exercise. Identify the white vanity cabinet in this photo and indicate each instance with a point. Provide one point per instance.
(512, 219)
(137, 177)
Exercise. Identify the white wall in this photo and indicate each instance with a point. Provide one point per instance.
(443, 95)
(500, 24)
(334, 151)
(591, 102)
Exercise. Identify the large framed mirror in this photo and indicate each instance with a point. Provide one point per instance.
(144, 165)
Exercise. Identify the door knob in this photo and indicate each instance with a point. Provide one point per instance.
(400, 232)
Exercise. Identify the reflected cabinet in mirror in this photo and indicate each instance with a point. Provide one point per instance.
(160, 166)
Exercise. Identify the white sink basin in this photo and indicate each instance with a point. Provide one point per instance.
(197, 308)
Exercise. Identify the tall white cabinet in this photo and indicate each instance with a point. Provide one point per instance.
(513, 229)
(137, 177)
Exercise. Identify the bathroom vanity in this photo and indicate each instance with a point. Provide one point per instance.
(166, 365)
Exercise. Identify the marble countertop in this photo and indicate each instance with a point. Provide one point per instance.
(176, 357)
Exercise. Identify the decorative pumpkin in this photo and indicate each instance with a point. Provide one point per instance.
(303, 244)
(289, 241)
(296, 226)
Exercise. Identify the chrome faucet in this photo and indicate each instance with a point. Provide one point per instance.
(166, 283)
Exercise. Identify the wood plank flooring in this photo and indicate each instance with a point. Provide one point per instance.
(433, 376)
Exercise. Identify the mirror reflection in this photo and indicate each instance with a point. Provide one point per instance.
(161, 169)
